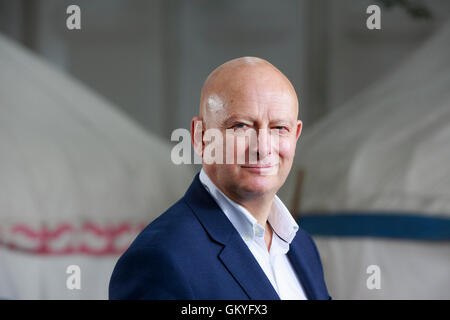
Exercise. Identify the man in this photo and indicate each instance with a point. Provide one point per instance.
(230, 236)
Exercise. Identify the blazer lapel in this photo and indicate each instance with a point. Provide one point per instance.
(239, 260)
(295, 255)
(235, 255)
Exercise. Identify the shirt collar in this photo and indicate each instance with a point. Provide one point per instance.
(281, 220)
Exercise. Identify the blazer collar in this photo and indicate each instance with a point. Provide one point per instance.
(235, 254)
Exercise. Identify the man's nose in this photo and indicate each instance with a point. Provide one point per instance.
(264, 144)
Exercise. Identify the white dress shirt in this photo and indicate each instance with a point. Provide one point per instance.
(275, 263)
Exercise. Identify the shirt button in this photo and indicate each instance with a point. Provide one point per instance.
(258, 231)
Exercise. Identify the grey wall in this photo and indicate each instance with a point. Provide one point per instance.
(211, 33)
(150, 57)
(358, 57)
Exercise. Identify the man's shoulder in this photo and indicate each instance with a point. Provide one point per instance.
(307, 248)
(177, 225)
(302, 235)
(304, 240)
(152, 266)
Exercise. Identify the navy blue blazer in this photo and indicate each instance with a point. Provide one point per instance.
(192, 251)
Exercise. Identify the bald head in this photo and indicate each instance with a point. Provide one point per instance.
(241, 79)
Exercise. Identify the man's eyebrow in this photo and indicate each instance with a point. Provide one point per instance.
(282, 122)
(237, 118)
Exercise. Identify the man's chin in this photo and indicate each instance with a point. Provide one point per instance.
(258, 185)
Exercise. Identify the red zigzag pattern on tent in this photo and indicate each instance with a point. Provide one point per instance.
(67, 238)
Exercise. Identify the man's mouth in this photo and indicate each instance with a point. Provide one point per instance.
(258, 166)
(267, 169)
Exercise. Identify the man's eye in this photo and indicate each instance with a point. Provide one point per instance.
(281, 128)
(239, 126)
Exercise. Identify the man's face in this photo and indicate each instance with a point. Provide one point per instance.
(266, 111)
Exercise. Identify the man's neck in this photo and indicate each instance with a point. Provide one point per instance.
(259, 207)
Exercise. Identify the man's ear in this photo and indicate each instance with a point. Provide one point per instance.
(299, 128)
(197, 135)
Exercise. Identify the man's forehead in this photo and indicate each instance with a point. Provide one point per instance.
(249, 85)
(274, 117)
(257, 99)
(270, 106)
(253, 111)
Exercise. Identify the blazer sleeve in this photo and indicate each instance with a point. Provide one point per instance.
(148, 273)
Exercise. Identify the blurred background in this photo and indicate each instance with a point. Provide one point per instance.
(86, 118)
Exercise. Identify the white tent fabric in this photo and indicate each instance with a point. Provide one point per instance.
(78, 180)
(387, 149)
